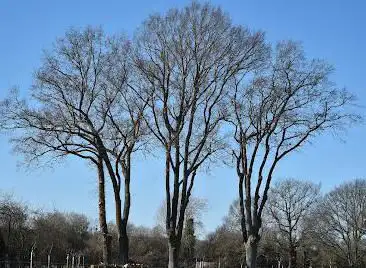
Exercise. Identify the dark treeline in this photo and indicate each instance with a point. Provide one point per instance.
(60, 237)
(195, 89)
(303, 229)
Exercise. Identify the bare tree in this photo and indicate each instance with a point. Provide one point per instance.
(148, 246)
(276, 114)
(13, 228)
(186, 61)
(57, 234)
(223, 247)
(232, 221)
(125, 132)
(341, 225)
(81, 106)
(195, 210)
(290, 203)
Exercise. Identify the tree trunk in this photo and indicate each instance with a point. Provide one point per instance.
(123, 243)
(251, 248)
(292, 263)
(2, 246)
(106, 247)
(122, 232)
(173, 249)
(307, 260)
(123, 240)
(121, 223)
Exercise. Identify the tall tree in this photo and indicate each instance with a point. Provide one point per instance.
(281, 109)
(290, 203)
(81, 106)
(125, 131)
(186, 61)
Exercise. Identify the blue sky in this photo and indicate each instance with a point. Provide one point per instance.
(333, 30)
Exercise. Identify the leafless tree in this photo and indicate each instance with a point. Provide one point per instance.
(187, 60)
(290, 203)
(125, 132)
(57, 234)
(80, 105)
(282, 108)
(195, 210)
(13, 227)
(232, 221)
(341, 225)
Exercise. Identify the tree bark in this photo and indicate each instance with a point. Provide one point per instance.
(123, 239)
(123, 243)
(292, 263)
(122, 232)
(121, 221)
(251, 248)
(106, 247)
(173, 248)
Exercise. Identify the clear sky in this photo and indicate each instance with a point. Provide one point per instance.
(329, 29)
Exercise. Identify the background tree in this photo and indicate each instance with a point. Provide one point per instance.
(195, 210)
(276, 114)
(189, 243)
(232, 220)
(271, 250)
(290, 203)
(57, 234)
(14, 228)
(341, 224)
(53, 234)
(222, 246)
(230, 231)
(186, 60)
(148, 246)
